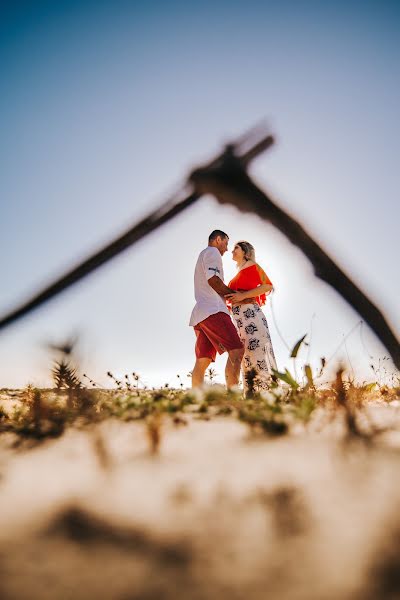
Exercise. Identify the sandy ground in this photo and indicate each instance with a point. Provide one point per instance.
(219, 513)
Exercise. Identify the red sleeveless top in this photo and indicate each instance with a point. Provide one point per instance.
(248, 279)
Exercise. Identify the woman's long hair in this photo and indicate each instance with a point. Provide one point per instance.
(248, 249)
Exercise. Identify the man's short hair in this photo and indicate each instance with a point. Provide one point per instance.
(217, 233)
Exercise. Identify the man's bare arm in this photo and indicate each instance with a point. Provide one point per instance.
(218, 285)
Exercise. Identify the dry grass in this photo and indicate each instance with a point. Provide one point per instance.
(48, 412)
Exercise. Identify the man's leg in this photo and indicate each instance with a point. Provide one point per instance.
(232, 371)
(199, 371)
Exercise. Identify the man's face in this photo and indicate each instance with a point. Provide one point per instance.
(222, 244)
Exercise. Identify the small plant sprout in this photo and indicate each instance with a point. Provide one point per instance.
(92, 383)
(211, 374)
(116, 381)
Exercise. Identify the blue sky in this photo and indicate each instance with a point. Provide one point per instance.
(104, 109)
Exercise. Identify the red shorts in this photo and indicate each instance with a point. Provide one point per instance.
(215, 334)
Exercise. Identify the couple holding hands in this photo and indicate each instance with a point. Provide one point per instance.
(229, 318)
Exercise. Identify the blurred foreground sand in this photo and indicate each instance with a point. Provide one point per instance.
(219, 513)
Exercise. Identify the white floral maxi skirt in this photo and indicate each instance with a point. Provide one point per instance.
(259, 355)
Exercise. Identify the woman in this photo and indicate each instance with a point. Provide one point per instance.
(252, 285)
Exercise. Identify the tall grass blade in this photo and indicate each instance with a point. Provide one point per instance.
(296, 347)
(309, 375)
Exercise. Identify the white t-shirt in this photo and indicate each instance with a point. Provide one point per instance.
(208, 302)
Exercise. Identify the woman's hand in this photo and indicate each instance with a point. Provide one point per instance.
(236, 298)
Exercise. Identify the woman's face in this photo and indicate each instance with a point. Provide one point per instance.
(237, 254)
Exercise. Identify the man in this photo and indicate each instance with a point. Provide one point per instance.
(210, 318)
